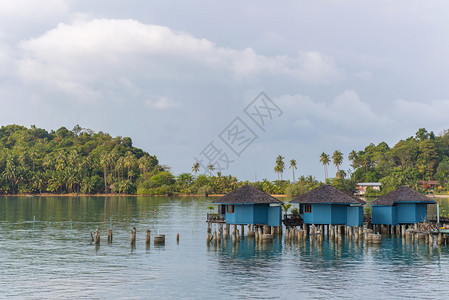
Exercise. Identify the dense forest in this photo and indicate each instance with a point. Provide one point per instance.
(421, 157)
(33, 160)
(63, 161)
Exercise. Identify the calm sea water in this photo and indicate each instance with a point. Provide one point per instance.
(62, 263)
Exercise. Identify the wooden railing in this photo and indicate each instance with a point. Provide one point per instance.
(292, 220)
(215, 218)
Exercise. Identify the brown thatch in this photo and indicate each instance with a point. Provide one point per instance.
(327, 194)
(402, 194)
(247, 195)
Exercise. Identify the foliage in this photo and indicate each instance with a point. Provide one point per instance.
(346, 185)
(302, 186)
(295, 212)
(421, 157)
(33, 160)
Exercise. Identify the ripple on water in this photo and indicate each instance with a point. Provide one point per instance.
(55, 266)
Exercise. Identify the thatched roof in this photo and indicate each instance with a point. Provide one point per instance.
(247, 195)
(327, 194)
(402, 194)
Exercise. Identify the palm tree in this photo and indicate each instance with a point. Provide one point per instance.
(293, 167)
(324, 159)
(210, 167)
(196, 167)
(280, 165)
(337, 158)
(104, 160)
(277, 170)
(354, 158)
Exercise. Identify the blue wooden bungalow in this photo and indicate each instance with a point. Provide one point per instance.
(248, 205)
(401, 206)
(328, 205)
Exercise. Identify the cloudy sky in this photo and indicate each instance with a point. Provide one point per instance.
(175, 75)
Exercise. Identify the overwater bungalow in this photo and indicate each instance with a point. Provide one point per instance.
(401, 206)
(328, 205)
(249, 206)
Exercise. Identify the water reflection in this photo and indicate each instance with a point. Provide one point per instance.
(62, 261)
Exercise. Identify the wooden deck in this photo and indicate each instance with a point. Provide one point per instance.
(292, 220)
(215, 218)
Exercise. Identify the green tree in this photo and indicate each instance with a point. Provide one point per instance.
(196, 167)
(293, 167)
(324, 159)
(337, 159)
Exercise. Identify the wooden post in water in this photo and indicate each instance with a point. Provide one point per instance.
(109, 235)
(148, 236)
(242, 230)
(97, 237)
(133, 236)
(439, 239)
(159, 239)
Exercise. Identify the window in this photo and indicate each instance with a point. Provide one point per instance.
(307, 208)
(230, 209)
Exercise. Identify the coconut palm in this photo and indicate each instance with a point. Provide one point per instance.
(104, 161)
(337, 159)
(325, 160)
(196, 167)
(210, 167)
(293, 167)
(280, 165)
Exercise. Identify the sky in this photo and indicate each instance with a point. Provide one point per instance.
(232, 83)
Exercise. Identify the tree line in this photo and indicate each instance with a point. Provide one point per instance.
(33, 160)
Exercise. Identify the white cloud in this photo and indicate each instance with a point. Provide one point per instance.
(78, 58)
(162, 103)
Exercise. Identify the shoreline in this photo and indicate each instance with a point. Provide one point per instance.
(119, 195)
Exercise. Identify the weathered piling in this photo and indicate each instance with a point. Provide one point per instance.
(148, 236)
(133, 235)
(376, 238)
(214, 238)
(109, 235)
(267, 237)
(159, 239)
(97, 237)
(227, 228)
(439, 239)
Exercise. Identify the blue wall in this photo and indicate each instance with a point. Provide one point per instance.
(243, 214)
(421, 212)
(354, 216)
(260, 214)
(383, 214)
(406, 213)
(321, 214)
(337, 214)
(399, 213)
(274, 216)
(255, 214)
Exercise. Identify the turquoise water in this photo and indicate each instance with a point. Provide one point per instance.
(52, 265)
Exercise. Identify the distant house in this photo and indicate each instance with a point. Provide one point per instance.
(401, 206)
(248, 205)
(428, 184)
(328, 205)
(360, 188)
